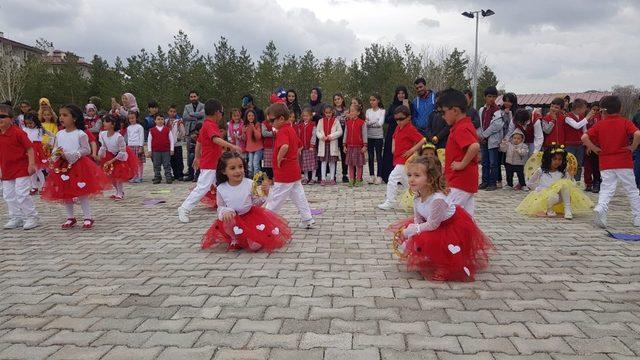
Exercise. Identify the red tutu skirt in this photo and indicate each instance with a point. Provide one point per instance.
(257, 230)
(454, 251)
(122, 170)
(41, 159)
(209, 199)
(84, 178)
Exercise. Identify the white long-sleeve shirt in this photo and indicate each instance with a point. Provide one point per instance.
(429, 214)
(582, 124)
(543, 180)
(114, 144)
(74, 144)
(238, 199)
(34, 134)
(135, 135)
(374, 120)
(172, 140)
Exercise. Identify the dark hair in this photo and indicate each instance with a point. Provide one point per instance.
(212, 106)
(333, 99)
(327, 106)
(491, 90)
(173, 106)
(611, 104)
(513, 99)
(357, 99)
(402, 110)
(521, 116)
(33, 116)
(159, 114)
(76, 114)
(468, 92)
(222, 165)
(197, 127)
(558, 101)
(379, 98)
(395, 94)
(278, 110)
(133, 112)
(24, 102)
(153, 104)
(420, 80)
(246, 116)
(452, 98)
(6, 109)
(294, 93)
(115, 120)
(580, 103)
(549, 153)
(193, 92)
(319, 91)
(307, 109)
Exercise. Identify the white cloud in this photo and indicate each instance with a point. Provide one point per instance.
(430, 23)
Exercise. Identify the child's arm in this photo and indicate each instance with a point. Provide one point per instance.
(576, 124)
(320, 131)
(257, 132)
(522, 150)
(538, 136)
(265, 132)
(532, 182)
(336, 134)
(225, 214)
(172, 142)
(415, 148)
(364, 138)
(472, 152)
(494, 126)
(590, 145)
(504, 145)
(281, 153)
(437, 214)
(635, 142)
(314, 138)
(198, 155)
(149, 141)
(219, 141)
(31, 168)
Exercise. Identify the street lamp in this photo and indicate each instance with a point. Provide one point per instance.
(476, 14)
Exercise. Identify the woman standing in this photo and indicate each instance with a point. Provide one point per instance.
(340, 113)
(316, 105)
(399, 98)
(292, 103)
(374, 118)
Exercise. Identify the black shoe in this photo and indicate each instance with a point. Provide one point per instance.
(195, 179)
(187, 178)
(588, 188)
(490, 188)
(157, 181)
(482, 186)
(596, 189)
(345, 179)
(169, 181)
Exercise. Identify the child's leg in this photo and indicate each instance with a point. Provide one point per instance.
(628, 181)
(68, 207)
(300, 201)
(250, 165)
(140, 170)
(10, 197)
(378, 150)
(257, 160)
(166, 164)
(370, 153)
(607, 189)
(352, 175)
(205, 180)
(23, 199)
(597, 175)
(309, 175)
(40, 175)
(34, 180)
(519, 169)
(359, 172)
(119, 188)
(397, 175)
(588, 170)
(278, 194)
(179, 169)
(323, 170)
(332, 170)
(509, 170)
(86, 207)
(156, 157)
(553, 199)
(565, 197)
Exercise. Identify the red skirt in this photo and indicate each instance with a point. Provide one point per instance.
(209, 199)
(258, 229)
(122, 170)
(354, 157)
(40, 158)
(454, 251)
(267, 157)
(85, 178)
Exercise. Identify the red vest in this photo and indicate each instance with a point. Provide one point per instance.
(572, 136)
(354, 132)
(557, 134)
(160, 139)
(267, 142)
(305, 133)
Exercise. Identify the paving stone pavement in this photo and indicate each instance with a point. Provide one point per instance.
(138, 286)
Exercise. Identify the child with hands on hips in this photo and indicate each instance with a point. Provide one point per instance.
(441, 240)
(242, 221)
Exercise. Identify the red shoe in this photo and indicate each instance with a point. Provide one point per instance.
(71, 222)
(87, 224)
(112, 197)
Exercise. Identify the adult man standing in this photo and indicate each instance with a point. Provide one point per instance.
(193, 114)
(423, 105)
(471, 111)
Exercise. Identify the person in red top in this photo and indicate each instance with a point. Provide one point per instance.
(406, 141)
(592, 177)
(161, 143)
(208, 151)
(355, 145)
(17, 164)
(612, 135)
(553, 124)
(575, 125)
(307, 134)
(286, 166)
(461, 153)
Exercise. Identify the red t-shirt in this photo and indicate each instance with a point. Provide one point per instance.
(404, 138)
(461, 135)
(14, 162)
(289, 169)
(211, 151)
(91, 137)
(612, 134)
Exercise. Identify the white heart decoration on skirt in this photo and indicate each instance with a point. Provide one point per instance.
(64, 177)
(237, 230)
(466, 271)
(254, 245)
(81, 185)
(275, 231)
(260, 227)
(454, 249)
(44, 161)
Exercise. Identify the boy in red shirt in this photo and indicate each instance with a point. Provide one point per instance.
(461, 153)
(17, 164)
(406, 141)
(286, 167)
(208, 150)
(616, 164)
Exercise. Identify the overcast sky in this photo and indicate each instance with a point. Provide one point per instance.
(534, 46)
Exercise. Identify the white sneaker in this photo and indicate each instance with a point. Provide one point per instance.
(636, 221)
(525, 188)
(371, 180)
(378, 181)
(507, 187)
(600, 218)
(567, 214)
(13, 224)
(183, 215)
(386, 206)
(307, 224)
(31, 223)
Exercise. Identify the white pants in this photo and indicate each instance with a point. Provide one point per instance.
(205, 180)
(398, 175)
(466, 200)
(16, 194)
(280, 192)
(610, 180)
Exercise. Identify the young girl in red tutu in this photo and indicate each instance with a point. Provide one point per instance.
(34, 130)
(72, 173)
(242, 221)
(441, 241)
(117, 160)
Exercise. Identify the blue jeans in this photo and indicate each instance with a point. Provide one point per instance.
(255, 158)
(636, 166)
(578, 152)
(490, 165)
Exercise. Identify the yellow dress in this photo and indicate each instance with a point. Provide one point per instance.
(553, 183)
(50, 127)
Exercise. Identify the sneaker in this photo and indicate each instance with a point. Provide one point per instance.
(371, 180)
(526, 188)
(305, 181)
(499, 185)
(359, 183)
(600, 218)
(333, 182)
(509, 188)
(133, 181)
(588, 188)
(482, 186)
(157, 181)
(13, 224)
(551, 213)
(345, 179)
(324, 183)
(183, 215)
(71, 222)
(307, 224)
(568, 214)
(596, 188)
(636, 221)
(187, 178)
(31, 223)
(517, 187)
(311, 182)
(33, 191)
(386, 206)
(378, 181)
(491, 188)
(118, 197)
(87, 224)
(169, 181)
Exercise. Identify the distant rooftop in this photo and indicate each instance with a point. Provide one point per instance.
(545, 99)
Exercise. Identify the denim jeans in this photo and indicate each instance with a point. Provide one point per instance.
(636, 166)
(578, 152)
(490, 164)
(255, 159)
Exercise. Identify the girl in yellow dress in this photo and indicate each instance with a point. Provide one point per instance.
(555, 191)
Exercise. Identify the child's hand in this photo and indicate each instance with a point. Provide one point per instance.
(196, 164)
(265, 188)
(410, 230)
(31, 169)
(149, 156)
(228, 217)
(457, 166)
(363, 150)
(407, 154)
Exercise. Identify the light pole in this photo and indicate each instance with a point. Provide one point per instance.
(476, 14)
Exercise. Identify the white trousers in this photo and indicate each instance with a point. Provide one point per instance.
(280, 192)
(466, 200)
(398, 175)
(16, 194)
(205, 180)
(610, 180)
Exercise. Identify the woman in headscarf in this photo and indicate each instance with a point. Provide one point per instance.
(401, 97)
(128, 104)
(92, 120)
(316, 104)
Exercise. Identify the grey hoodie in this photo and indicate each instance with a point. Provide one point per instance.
(516, 154)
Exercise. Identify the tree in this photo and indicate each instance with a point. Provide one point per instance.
(226, 88)
(12, 79)
(268, 72)
(486, 78)
(105, 82)
(629, 97)
(454, 68)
